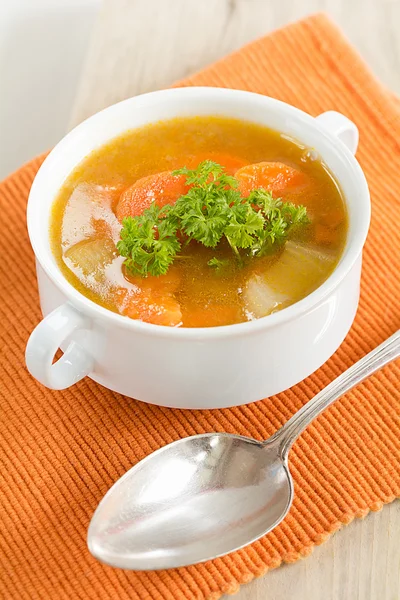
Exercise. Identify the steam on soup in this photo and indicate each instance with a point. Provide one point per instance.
(198, 222)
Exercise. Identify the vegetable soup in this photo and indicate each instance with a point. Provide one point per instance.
(199, 222)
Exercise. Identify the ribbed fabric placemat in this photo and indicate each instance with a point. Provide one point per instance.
(61, 451)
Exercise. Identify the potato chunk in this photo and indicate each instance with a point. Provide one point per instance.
(90, 257)
(260, 299)
(299, 270)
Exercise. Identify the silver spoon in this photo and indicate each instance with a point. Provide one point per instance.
(210, 494)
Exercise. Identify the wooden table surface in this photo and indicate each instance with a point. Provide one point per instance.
(143, 45)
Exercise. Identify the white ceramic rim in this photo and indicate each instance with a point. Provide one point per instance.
(353, 247)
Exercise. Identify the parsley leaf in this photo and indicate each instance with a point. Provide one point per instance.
(211, 211)
(207, 174)
(218, 264)
(202, 216)
(149, 243)
(243, 229)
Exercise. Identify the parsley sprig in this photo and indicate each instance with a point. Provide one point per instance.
(149, 242)
(213, 210)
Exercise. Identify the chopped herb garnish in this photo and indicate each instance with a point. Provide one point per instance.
(218, 264)
(213, 210)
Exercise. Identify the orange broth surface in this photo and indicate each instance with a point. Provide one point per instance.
(84, 225)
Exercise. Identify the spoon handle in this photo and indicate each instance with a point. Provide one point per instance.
(375, 360)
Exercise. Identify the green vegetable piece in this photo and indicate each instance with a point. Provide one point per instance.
(212, 210)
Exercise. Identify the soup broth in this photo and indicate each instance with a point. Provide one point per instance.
(87, 214)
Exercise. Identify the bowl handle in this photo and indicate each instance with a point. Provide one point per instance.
(341, 127)
(47, 338)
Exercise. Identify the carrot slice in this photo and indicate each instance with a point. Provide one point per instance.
(163, 284)
(149, 306)
(210, 315)
(161, 188)
(231, 163)
(276, 177)
(152, 300)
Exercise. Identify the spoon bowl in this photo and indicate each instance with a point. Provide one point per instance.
(210, 494)
(216, 491)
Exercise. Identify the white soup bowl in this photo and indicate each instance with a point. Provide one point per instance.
(211, 367)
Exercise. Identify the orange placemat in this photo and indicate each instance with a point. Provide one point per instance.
(61, 451)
